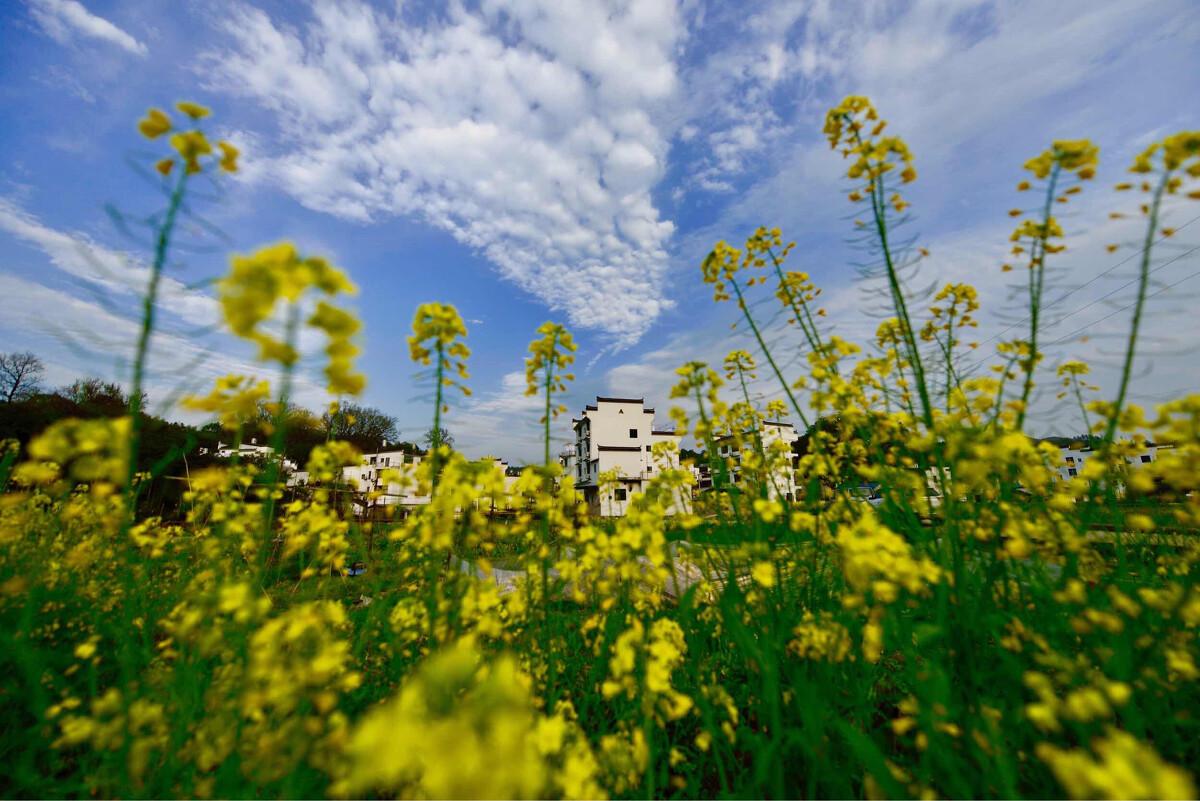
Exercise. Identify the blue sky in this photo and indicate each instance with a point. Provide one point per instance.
(551, 159)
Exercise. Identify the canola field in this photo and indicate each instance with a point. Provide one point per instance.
(1007, 634)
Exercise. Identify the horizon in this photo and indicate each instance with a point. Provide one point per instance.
(540, 163)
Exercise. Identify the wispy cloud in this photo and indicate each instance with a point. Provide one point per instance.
(93, 327)
(111, 271)
(78, 337)
(528, 132)
(66, 19)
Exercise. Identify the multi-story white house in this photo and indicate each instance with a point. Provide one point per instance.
(777, 439)
(616, 435)
(365, 477)
(1075, 455)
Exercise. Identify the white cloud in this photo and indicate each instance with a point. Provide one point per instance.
(739, 63)
(65, 19)
(110, 271)
(501, 423)
(98, 334)
(528, 131)
(77, 337)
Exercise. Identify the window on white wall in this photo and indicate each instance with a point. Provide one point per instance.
(618, 495)
(633, 433)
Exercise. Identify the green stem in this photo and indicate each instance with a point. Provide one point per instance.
(1087, 423)
(279, 420)
(551, 678)
(766, 352)
(149, 305)
(435, 436)
(1037, 281)
(1143, 281)
(549, 391)
(879, 210)
(800, 309)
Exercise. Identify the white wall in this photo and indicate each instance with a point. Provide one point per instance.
(616, 434)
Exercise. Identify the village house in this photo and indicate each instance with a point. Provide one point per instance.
(1076, 454)
(777, 439)
(615, 437)
(251, 451)
(366, 478)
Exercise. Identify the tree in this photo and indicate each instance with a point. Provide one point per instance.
(438, 436)
(305, 431)
(99, 398)
(19, 375)
(365, 426)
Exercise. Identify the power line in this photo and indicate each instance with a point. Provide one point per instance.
(1125, 308)
(1089, 282)
(1088, 305)
(1126, 285)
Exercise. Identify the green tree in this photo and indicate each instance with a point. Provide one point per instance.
(365, 426)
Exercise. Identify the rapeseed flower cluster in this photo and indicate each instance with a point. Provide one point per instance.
(235, 400)
(190, 145)
(258, 283)
(854, 129)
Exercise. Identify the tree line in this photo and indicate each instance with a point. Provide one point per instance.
(29, 406)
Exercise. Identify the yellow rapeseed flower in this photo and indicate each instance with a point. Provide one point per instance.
(191, 145)
(193, 110)
(229, 155)
(154, 124)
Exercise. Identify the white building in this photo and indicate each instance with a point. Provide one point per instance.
(511, 473)
(616, 436)
(252, 451)
(777, 439)
(1075, 456)
(366, 478)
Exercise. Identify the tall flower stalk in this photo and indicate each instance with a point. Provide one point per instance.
(853, 128)
(549, 356)
(278, 280)
(721, 268)
(1174, 158)
(437, 342)
(193, 149)
(1041, 237)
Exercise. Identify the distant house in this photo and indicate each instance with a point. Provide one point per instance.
(403, 496)
(251, 451)
(1076, 454)
(615, 436)
(367, 477)
(777, 438)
